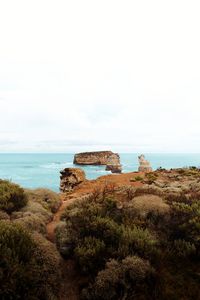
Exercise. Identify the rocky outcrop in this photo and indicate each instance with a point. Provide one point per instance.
(113, 164)
(71, 177)
(97, 158)
(144, 165)
(114, 168)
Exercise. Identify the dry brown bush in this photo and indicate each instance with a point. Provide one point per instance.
(146, 189)
(32, 222)
(4, 215)
(37, 209)
(149, 203)
(47, 198)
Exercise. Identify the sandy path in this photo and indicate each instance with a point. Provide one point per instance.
(86, 188)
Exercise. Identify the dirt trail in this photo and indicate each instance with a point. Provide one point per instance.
(85, 188)
(56, 219)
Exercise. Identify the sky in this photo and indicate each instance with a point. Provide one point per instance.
(99, 75)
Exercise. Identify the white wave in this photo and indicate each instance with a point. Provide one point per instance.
(56, 165)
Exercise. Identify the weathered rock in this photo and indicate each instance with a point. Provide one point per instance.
(114, 168)
(71, 177)
(97, 158)
(144, 164)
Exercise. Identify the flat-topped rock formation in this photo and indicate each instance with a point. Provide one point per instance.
(144, 165)
(97, 158)
(71, 177)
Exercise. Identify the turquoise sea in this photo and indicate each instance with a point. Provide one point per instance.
(42, 170)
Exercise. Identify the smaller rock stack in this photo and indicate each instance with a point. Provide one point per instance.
(144, 165)
(114, 168)
(71, 177)
(113, 164)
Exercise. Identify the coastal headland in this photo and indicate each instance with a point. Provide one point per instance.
(145, 223)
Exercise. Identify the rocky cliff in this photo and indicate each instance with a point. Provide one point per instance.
(71, 177)
(97, 158)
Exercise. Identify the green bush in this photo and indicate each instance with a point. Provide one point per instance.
(24, 267)
(150, 177)
(66, 239)
(89, 254)
(48, 274)
(136, 240)
(12, 196)
(16, 262)
(105, 229)
(136, 178)
(183, 249)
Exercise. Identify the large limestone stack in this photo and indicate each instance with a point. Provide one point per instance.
(97, 158)
(71, 177)
(144, 165)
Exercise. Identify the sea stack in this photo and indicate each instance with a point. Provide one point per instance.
(144, 165)
(97, 158)
(114, 168)
(71, 177)
(113, 164)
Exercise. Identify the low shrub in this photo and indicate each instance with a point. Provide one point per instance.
(136, 240)
(89, 254)
(183, 249)
(66, 239)
(136, 178)
(150, 177)
(146, 204)
(12, 196)
(47, 198)
(127, 279)
(36, 208)
(4, 215)
(32, 222)
(26, 270)
(48, 260)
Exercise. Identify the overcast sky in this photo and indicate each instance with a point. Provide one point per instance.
(91, 75)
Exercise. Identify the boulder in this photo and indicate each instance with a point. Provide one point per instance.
(144, 165)
(97, 158)
(71, 177)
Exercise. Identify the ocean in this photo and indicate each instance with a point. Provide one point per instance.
(43, 170)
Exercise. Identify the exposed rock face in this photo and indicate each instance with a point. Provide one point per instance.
(113, 164)
(71, 177)
(144, 164)
(114, 168)
(97, 158)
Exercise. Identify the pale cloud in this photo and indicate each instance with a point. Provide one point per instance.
(81, 75)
